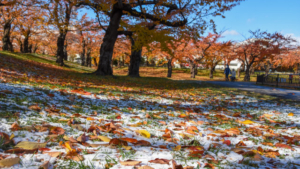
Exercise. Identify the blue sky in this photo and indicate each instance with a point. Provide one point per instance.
(268, 15)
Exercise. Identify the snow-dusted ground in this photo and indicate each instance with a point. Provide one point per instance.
(210, 128)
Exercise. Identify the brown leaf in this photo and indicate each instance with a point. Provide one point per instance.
(21, 151)
(35, 107)
(142, 143)
(56, 130)
(53, 154)
(130, 140)
(46, 165)
(130, 163)
(116, 142)
(279, 145)
(175, 166)
(160, 161)
(82, 139)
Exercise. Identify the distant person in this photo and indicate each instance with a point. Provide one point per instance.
(227, 72)
(233, 74)
(290, 78)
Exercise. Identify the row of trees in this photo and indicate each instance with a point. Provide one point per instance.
(169, 29)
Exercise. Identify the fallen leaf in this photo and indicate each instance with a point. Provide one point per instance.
(30, 145)
(160, 161)
(104, 138)
(130, 163)
(8, 162)
(247, 122)
(144, 133)
(46, 165)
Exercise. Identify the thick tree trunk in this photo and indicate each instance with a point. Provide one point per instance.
(192, 69)
(7, 45)
(60, 49)
(88, 58)
(26, 42)
(82, 55)
(135, 60)
(107, 47)
(239, 72)
(169, 68)
(247, 74)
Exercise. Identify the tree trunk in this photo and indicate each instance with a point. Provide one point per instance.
(60, 48)
(30, 48)
(135, 60)
(6, 36)
(147, 61)
(35, 48)
(169, 68)
(239, 72)
(26, 42)
(247, 74)
(211, 72)
(107, 47)
(119, 62)
(192, 69)
(88, 58)
(66, 51)
(95, 61)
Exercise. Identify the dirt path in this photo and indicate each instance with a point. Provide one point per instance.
(251, 87)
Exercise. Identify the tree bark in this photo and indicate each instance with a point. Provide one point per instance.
(7, 45)
(135, 60)
(95, 61)
(211, 72)
(169, 68)
(196, 69)
(60, 48)
(192, 69)
(239, 72)
(66, 51)
(35, 48)
(247, 73)
(26, 42)
(88, 58)
(107, 47)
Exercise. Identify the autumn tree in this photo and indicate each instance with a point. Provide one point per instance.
(216, 54)
(176, 14)
(9, 14)
(61, 14)
(259, 47)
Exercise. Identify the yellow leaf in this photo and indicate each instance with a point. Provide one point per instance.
(30, 145)
(104, 138)
(247, 122)
(11, 136)
(66, 138)
(8, 162)
(144, 133)
(90, 118)
(291, 114)
(127, 147)
(177, 148)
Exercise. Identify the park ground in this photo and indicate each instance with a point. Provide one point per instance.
(64, 117)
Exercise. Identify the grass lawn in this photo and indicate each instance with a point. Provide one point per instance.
(66, 118)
